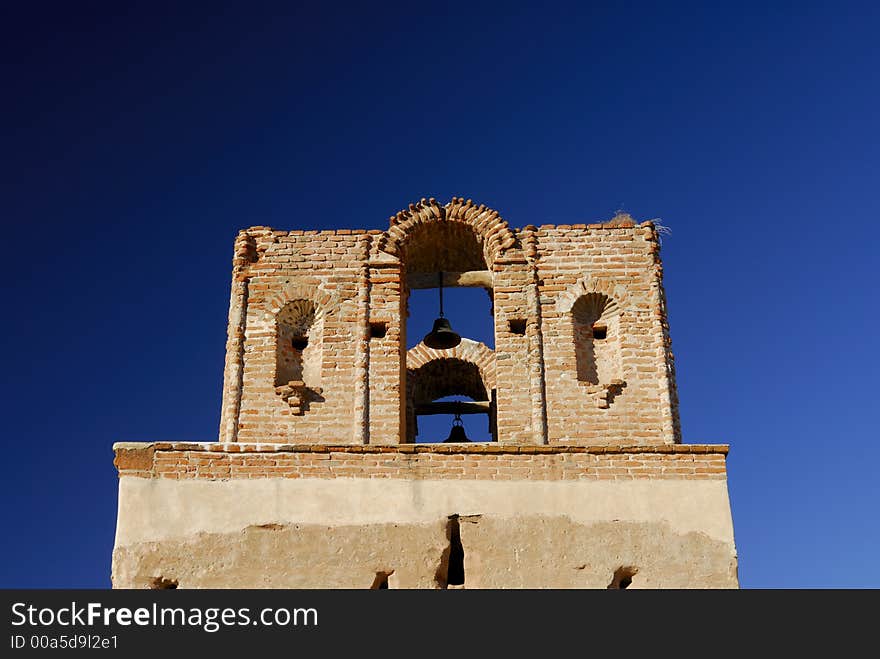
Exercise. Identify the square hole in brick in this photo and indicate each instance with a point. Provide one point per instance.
(517, 325)
(378, 330)
(600, 331)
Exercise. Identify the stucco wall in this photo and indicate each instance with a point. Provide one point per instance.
(517, 530)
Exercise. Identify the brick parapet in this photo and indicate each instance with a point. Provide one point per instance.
(224, 461)
(568, 228)
(551, 388)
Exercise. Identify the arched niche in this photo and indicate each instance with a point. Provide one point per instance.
(595, 322)
(298, 344)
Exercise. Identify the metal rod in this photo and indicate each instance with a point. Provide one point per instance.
(440, 277)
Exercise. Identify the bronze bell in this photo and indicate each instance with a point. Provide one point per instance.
(441, 337)
(456, 434)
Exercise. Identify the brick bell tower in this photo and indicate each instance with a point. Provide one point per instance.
(317, 480)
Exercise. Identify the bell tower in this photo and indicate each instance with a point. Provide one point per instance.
(318, 479)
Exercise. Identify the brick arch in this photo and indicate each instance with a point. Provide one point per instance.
(474, 352)
(446, 376)
(471, 361)
(325, 303)
(491, 230)
(617, 298)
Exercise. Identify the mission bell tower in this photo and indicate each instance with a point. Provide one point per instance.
(317, 480)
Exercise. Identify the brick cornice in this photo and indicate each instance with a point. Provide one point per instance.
(491, 462)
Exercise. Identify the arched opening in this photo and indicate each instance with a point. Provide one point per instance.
(451, 255)
(595, 328)
(443, 388)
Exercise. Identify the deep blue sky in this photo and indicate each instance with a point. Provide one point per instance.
(138, 138)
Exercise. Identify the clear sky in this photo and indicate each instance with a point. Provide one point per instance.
(138, 138)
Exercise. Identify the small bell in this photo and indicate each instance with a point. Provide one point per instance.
(442, 337)
(456, 434)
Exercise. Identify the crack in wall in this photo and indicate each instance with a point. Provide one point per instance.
(450, 572)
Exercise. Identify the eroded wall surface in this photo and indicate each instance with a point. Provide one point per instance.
(251, 516)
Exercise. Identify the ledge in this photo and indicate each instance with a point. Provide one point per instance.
(466, 449)
(216, 461)
(312, 233)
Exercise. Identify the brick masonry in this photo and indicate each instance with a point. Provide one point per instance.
(554, 382)
(491, 462)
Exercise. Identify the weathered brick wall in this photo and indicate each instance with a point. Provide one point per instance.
(479, 461)
(321, 269)
(616, 388)
(386, 385)
(556, 289)
(518, 357)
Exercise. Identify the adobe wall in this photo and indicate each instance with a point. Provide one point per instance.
(315, 516)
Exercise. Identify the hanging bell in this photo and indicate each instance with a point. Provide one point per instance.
(442, 337)
(456, 433)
